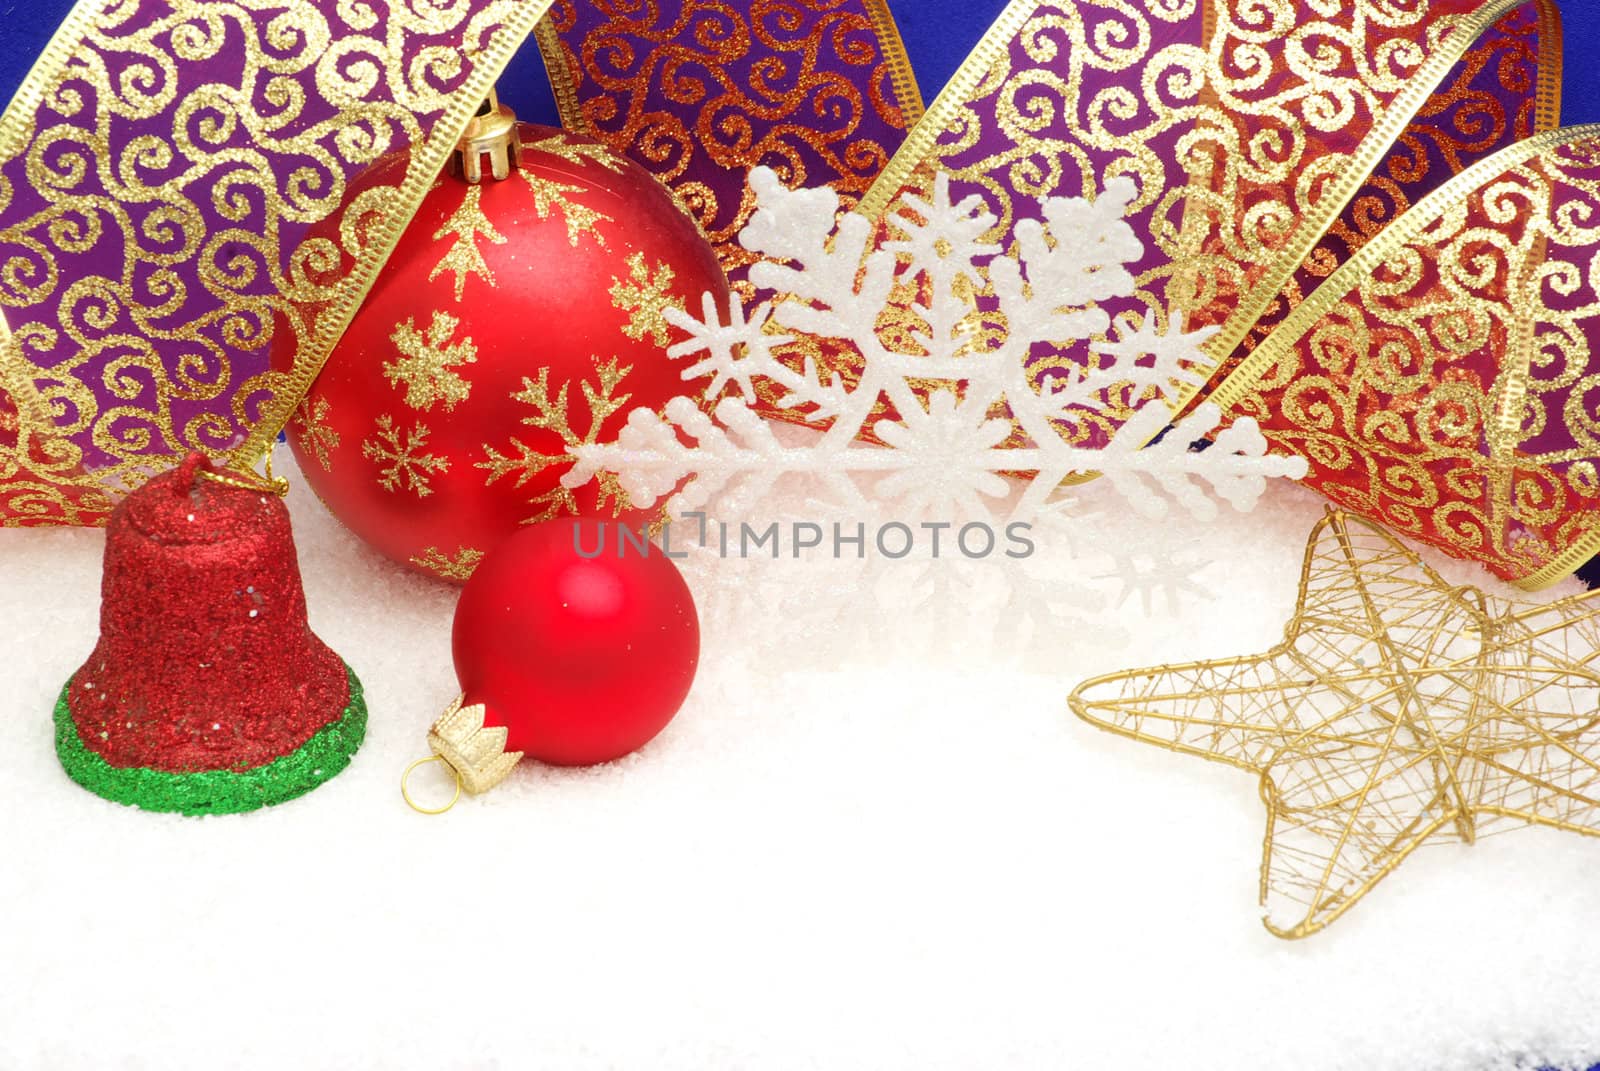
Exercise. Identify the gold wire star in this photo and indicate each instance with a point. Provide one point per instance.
(1397, 710)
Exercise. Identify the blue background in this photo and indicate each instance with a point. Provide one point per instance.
(937, 34)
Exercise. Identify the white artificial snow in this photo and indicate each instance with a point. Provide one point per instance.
(906, 862)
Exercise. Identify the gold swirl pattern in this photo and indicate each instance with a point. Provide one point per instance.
(698, 92)
(1440, 381)
(36, 479)
(1505, 89)
(1303, 102)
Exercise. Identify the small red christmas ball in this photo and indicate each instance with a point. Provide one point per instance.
(577, 640)
(517, 318)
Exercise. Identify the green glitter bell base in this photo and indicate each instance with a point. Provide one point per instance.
(216, 791)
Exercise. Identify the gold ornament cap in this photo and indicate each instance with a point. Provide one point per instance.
(492, 132)
(475, 752)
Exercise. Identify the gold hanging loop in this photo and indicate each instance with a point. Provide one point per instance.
(405, 790)
(245, 480)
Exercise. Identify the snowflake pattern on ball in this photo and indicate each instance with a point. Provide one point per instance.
(548, 411)
(402, 457)
(646, 298)
(427, 362)
(943, 448)
(319, 438)
(467, 223)
(458, 567)
(575, 152)
(548, 195)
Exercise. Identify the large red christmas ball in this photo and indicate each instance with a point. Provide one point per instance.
(516, 319)
(582, 659)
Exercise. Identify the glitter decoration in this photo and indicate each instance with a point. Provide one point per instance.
(1398, 711)
(216, 791)
(205, 664)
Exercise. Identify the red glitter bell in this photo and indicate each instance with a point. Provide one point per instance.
(208, 692)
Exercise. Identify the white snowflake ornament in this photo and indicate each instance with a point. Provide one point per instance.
(949, 447)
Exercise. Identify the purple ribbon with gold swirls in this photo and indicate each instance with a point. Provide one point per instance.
(701, 91)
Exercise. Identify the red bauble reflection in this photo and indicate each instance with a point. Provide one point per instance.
(515, 319)
(582, 660)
